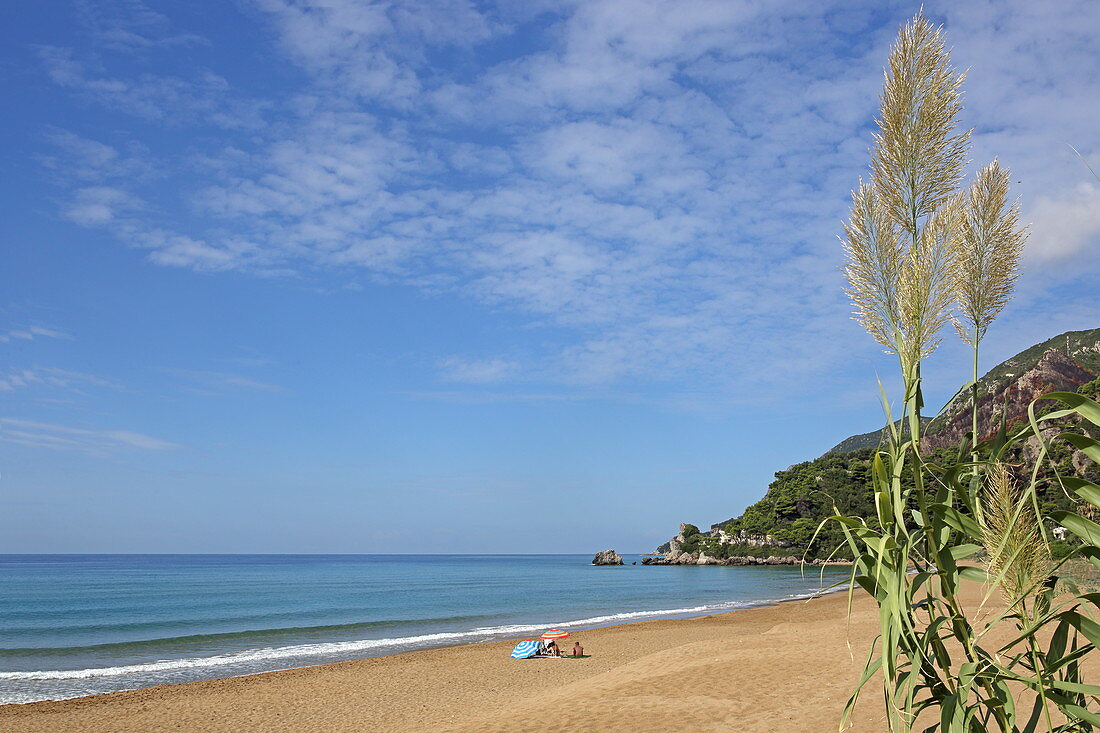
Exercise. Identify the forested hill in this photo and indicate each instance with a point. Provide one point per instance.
(784, 520)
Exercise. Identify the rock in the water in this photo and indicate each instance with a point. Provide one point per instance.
(607, 557)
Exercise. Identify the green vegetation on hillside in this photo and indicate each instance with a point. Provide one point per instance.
(1078, 345)
(873, 439)
(804, 494)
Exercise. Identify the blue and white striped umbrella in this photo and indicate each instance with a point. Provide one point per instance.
(524, 649)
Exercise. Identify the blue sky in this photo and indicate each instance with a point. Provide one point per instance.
(335, 276)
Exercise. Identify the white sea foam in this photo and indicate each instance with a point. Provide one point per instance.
(254, 657)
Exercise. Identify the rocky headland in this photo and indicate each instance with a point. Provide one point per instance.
(701, 558)
(786, 526)
(681, 552)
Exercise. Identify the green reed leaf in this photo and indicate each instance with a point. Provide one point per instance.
(1079, 403)
(1089, 446)
(976, 574)
(963, 552)
(959, 521)
(1083, 528)
(1080, 712)
(1087, 490)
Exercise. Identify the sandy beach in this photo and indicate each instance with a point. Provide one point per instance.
(782, 667)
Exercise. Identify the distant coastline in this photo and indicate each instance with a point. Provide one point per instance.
(186, 618)
(759, 653)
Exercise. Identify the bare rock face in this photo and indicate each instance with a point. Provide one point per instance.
(1055, 372)
(607, 557)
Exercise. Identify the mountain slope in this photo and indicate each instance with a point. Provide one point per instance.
(783, 522)
(1061, 363)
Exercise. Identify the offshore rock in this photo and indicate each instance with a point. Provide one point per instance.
(607, 557)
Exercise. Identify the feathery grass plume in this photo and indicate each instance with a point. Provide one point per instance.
(1017, 553)
(919, 158)
(924, 292)
(874, 266)
(897, 240)
(987, 265)
(988, 256)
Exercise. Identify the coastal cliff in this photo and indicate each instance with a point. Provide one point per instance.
(690, 537)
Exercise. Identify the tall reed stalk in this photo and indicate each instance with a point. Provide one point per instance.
(900, 238)
(987, 264)
(916, 244)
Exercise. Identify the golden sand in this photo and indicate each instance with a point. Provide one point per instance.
(778, 668)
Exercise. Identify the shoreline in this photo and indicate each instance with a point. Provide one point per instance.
(579, 626)
(739, 660)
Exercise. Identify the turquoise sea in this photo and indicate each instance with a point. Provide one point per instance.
(73, 625)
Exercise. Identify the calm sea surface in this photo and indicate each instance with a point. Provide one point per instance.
(74, 625)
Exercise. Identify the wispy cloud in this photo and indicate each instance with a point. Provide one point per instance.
(81, 159)
(209, 382)
(476, 371)
(703, 403)
(203, 97)
(52, 377)
(99, 205)
(657, 184)
(29, 333)
(131, 25)
(96, 442)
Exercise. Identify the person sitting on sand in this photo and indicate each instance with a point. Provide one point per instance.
(578, 650)
(552, 648)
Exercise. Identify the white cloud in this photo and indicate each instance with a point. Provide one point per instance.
(350, 46)
(85, 159)
(210, 382)
(130, 25)
(621, 155)
(476, 371)
(34, 434)
(206, 98)
(660, 182)
(94, 206)
(30, 333)
(52, 377)
(1066, 227)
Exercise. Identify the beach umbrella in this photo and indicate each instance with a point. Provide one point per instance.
(555, 634)
(525, 648)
